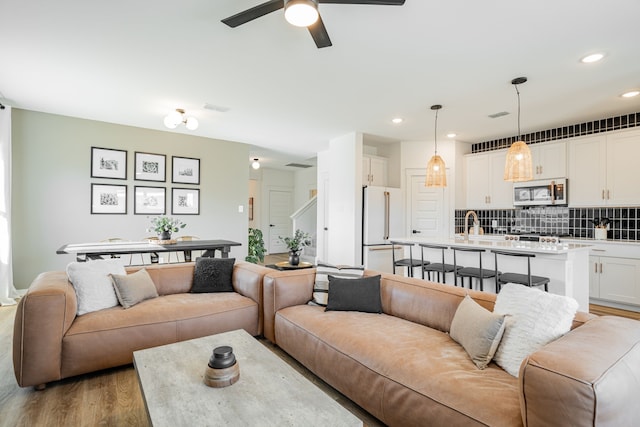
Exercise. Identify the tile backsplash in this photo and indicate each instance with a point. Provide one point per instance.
(624, 221)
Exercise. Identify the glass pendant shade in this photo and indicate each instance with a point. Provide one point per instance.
(191, 123)
(255, 164)
(518, 166)
(301, 13)
(436, 172)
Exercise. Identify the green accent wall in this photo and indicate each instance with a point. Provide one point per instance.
(51, 187)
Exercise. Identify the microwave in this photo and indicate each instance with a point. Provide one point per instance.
(540, 192)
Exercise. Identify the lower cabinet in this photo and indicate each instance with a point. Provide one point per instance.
(615, 279)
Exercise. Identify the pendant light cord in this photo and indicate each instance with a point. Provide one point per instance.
(518, 93)
(435, 134)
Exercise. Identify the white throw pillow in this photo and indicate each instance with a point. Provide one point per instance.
(92, 283)
(534, 318)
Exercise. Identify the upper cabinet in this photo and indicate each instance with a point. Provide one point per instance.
(375, 170)
(486, 187)
(603, 170)
(549, 160)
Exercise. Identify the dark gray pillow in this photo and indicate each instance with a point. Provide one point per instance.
(355, 294)
(213, 275)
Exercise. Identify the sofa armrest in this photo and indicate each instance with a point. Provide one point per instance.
(284, 289)
(590, 376)
(247, 281)
(43, 316)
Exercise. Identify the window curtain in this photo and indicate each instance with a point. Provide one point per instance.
(8, 292)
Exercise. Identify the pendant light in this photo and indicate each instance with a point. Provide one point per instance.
(518, 166)
(436, 172)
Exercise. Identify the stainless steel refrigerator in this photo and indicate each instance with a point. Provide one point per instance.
(382, 218)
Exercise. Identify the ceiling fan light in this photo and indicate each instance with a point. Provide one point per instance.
(301, 13)
(518, 165)
(191, 123)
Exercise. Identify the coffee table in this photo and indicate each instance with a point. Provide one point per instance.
(268, 393)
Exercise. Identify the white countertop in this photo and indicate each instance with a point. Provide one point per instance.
(493, 242)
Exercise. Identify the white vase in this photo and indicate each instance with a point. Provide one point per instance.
(600, 233)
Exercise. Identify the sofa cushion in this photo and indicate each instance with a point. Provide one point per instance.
(477, 330)
(133, 288)
(392, 367)
(534, 318)
(92, 283)
(323, 271)
(361, 294)
(213, 275)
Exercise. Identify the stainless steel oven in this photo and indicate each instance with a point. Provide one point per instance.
(540, 192)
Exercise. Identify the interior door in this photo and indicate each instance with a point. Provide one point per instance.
(428, 216)
(279, 221)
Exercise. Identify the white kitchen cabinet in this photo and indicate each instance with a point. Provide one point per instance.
(486, 187)
(603, 170)
(549, 160)
(615, 279)
(375, 171)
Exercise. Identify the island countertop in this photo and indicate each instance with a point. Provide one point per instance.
(490, 242)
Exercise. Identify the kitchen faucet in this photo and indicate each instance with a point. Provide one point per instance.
(466, 220)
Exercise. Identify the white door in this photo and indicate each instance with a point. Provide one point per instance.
(428, 209)
(325, 220)
(279, 221)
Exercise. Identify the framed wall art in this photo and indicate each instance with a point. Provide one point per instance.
(108, 199)
(150, 167)
(108, 163)
(149, 200)
(185, 170)
(185, 201)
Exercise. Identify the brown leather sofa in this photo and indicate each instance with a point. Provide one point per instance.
(50, 342)
(403, 368)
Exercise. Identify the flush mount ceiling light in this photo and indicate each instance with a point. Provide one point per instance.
(436, 171)
(631, 94)
(594, 57)
(451, 135)
(301, 13)
(174, 118)
(397, 120)
(518, 166)
(255, 164)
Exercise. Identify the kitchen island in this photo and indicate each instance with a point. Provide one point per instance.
(565, 264)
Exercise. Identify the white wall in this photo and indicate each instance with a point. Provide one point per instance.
(52, 187)
(305, 181)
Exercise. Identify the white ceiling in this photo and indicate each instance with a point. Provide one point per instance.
(130, 62)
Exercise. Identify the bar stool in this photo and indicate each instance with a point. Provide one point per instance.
(472, 272)
(437, 267)
(410, 263)
(519, 278)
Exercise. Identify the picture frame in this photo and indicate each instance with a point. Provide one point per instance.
(149, 200)
(185, 201)
(108, 199)
(185, 170)
(150, 167)
(250, 208)
(108, 163)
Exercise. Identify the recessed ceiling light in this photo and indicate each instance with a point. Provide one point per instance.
(594, 57)
(631, 94)
(451, 135)
(397, 120)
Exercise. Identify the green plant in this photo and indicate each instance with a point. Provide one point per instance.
(165, 223)
(299, 240)
(256, 246)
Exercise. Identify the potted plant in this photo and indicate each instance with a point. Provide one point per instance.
(165, 225)
(295, 244)
(601, 226)
(256, 250)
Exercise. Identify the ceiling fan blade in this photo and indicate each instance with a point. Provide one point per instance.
(253, 13)
(375, 2)
(319, 34)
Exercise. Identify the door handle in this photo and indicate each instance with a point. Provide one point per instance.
(271, 225)
(416, 231)
(326, 229)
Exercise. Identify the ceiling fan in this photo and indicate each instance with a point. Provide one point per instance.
(294, 9)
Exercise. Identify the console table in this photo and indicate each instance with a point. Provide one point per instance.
(84, 251)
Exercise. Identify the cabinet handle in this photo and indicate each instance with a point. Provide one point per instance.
(602, 194)
(608, 195)
(595, 270)
(600, 268)
(540, 170)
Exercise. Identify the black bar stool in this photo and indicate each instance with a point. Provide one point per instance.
(519, 278)
(436, 267)
(472, 272)
(410, 263)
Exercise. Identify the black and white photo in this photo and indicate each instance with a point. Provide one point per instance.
(185, 201)
(108, 163)
(149, 200)
(185, 170)
(150, 167)
(108, 199)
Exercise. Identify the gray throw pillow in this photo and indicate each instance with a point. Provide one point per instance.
(355, 294)
(213, 275)
(133, 288)
(477, 330)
